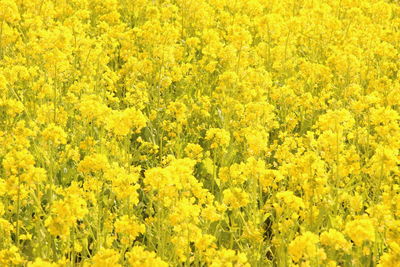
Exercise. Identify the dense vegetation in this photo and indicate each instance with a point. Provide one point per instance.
(199, 133)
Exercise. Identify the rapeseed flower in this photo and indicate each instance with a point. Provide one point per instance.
(207, 132)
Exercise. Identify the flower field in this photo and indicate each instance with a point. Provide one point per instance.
(199, 133)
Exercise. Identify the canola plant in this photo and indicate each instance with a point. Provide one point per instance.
(199, 133)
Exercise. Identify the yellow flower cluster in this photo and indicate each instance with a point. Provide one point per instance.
(199, 133)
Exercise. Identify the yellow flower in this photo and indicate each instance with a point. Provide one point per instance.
(226, 257)
(9, 11)
(290, 200)
(194, 151)
(306, 247)
(129, 226)
(106, 258)
(236, 198)
(18, 161)
(10, 256)
(218, 137)
(139, 257)
(65, 214)
(391, 258)
(55, 134)
(360, 230)
(41, 263)
(121, 123)
(335, 239)
(93, 163)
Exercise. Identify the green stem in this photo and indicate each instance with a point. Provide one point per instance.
(55, 94)
(73, 254)
(18, 208)
(214, 172)
(99, 210)
(1, 39)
